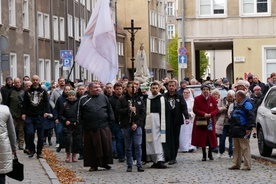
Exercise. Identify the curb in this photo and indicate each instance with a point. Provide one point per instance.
(264, 158)
(53, 178)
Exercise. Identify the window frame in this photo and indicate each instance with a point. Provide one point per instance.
(12, 13)
(56, 28)
(170, 5)
(61, 29)
(267, 61)
(0, 12)
(170, 36)
(41, 69)
(27, 64)
(46, 25)
(40, 24)
(56, 69)
(212, 14)
(255, 14)
(77, 30)
(25, 14)
(70, 25)
(13, 65)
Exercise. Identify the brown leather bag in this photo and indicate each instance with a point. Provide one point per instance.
(201, 121)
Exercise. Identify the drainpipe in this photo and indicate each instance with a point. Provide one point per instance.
(150, 62)
(52, 39)
(36, 36)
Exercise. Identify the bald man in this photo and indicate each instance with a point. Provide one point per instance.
(35, 108)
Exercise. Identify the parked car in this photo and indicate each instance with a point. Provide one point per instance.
(196, 88)
(266, 123)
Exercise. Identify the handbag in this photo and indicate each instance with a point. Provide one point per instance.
(201, 121)
(17, 172)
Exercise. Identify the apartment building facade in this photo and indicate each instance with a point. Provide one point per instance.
(247, 27)
(38, 30)
(150, 16)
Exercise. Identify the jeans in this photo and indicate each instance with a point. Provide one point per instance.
(58, 131)
(222, 139)
(133, 137)
(2, 178)
(117, 141)
(35, 124)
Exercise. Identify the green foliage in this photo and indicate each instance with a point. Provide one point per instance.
(203, 62)
(173, 54)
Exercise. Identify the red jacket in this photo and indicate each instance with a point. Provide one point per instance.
(201, 133)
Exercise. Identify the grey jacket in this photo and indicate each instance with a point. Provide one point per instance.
(54, 96)
(7, 140)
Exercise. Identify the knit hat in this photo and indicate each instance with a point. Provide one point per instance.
(47, 84)
(256, 88)
(72, 93)
(225, 80)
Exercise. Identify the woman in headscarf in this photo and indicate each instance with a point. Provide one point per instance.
(185, 137)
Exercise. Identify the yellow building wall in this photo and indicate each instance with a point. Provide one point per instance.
(252, 50)
(138, 11)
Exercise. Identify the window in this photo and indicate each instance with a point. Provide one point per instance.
(83, 27)
(55, 22)
(56, 70)
(170, 8)
(13, 65)
(94, 4)
(269, 61)
(25, 14)
(41, 68)
(61, 28)
(171, 31)
(120, 48)
(77, 70)
(12, 13)
(213, 8)
(48, 70)
(0, 12)
(70, 25)
(88, 5)
(77, 30)
(46, 26)
(40, 24)
(255, 7)
(27, 65)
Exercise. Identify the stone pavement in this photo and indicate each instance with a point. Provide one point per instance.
(189, 169)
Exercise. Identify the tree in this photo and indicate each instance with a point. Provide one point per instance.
(173, 54)
(203, 62)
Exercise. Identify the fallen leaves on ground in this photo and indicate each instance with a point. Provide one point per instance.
(269, 163)
(64, 175)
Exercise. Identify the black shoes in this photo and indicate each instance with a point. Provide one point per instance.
(115, 156)
(107, 167)
(31, 154)
(172, 162)
(93, 169)
(140, 169)
(58, 149)
(129, 169)
(121, 159)
(159, 165)
(80, 157)
(203, 159)
(50, 142)
(38, 156)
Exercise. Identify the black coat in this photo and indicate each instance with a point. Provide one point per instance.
(95, 112)
(125, 114)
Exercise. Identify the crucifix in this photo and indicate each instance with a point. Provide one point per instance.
(132, 30)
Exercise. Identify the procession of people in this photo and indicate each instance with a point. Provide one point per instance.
(104, 122)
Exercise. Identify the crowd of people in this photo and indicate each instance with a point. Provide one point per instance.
(123, 121)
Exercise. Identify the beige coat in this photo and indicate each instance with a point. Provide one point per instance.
(7, 140)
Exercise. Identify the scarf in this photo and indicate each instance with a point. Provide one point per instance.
(148, 120)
